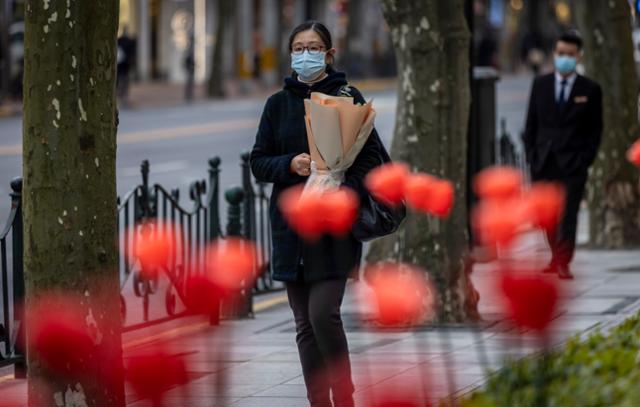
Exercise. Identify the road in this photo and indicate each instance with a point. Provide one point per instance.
(177, 141)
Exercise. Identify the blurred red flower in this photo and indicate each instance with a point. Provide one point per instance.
(155, 245)
(231, 263)
(340, 211)
(418, 189)
(314, 213)
(429, 194)
(498, 221)
(388, 395)
(442, 200)
(154, 372)
(58, 333)
(498, 183)
(302, 212)
(531, 299)
(202, 295)
(399, 401)
(544, 204)
(386, 183)
(400, 294)
(633, 154)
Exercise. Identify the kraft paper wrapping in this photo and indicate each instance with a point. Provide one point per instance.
(332, 155)
(333, 126)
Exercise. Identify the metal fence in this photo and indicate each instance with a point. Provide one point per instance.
(149, 209)
(11, 322)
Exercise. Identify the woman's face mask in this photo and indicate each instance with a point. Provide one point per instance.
(309, 66)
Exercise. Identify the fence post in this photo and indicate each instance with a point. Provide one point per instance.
(249, 227)
(243, 306)
(213, 199)
(18, 279)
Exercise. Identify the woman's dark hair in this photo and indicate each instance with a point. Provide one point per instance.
(318, 27)
(571, 37)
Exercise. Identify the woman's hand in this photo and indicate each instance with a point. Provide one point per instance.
(301, 165)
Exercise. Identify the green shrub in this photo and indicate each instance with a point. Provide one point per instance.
(600, 370)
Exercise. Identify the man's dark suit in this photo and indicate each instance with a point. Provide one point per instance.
(561, 143)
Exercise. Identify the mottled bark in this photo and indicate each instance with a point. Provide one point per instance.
(431, 40)
(70, 186)
(215, 85)
(613, 192)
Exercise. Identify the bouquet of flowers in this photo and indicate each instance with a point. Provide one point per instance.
(337, 129)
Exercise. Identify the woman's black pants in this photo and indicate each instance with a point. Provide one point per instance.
(322, 344)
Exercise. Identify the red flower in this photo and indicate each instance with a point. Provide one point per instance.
(399, 401)
(498, 183)
(340, 211)
(418, 189)
(58, 333)
(302, 212)
(231, 263)
(633, 154)
(497, 221)
(386, 183)
(155, 245)
(152, 373)
(429, 194)
(400, 294)
(531, 299)
(202, 295)
(388, 395)
(314, 213)
(544, 204)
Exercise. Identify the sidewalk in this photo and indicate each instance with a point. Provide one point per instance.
(261, 360)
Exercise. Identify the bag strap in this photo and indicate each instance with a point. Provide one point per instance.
(345, 90)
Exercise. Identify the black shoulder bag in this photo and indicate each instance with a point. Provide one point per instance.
(375, 219)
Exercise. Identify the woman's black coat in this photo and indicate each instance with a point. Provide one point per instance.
(281, 136)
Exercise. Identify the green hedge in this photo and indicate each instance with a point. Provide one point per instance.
(601, 370)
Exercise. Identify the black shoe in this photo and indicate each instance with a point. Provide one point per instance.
(550, 269)
(564, 273)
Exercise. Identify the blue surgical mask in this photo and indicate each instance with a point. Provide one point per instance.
(565, 64)
(308, 66)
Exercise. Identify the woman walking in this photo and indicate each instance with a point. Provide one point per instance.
(315, 274)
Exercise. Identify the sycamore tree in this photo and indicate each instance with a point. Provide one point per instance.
(69, 194)
(431, 40)
(613, 191)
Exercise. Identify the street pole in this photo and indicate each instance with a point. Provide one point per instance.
(246, 51)
(269, 52)
(143, 61)
(200, 39)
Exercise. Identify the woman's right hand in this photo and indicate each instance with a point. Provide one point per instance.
(301, 165)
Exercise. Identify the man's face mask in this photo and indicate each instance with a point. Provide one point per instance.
(565, 64)
(309, 66)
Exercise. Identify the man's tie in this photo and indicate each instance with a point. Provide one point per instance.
(561, 100)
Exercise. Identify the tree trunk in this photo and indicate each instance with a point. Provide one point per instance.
(613, 192)
(215, 88)
(70, 187)
(432, 48)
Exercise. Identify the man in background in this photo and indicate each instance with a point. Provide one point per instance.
(561, 139)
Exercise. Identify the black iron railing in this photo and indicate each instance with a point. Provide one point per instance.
(153, 210)
(256, 223)
(12, 294)
(149, 209)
